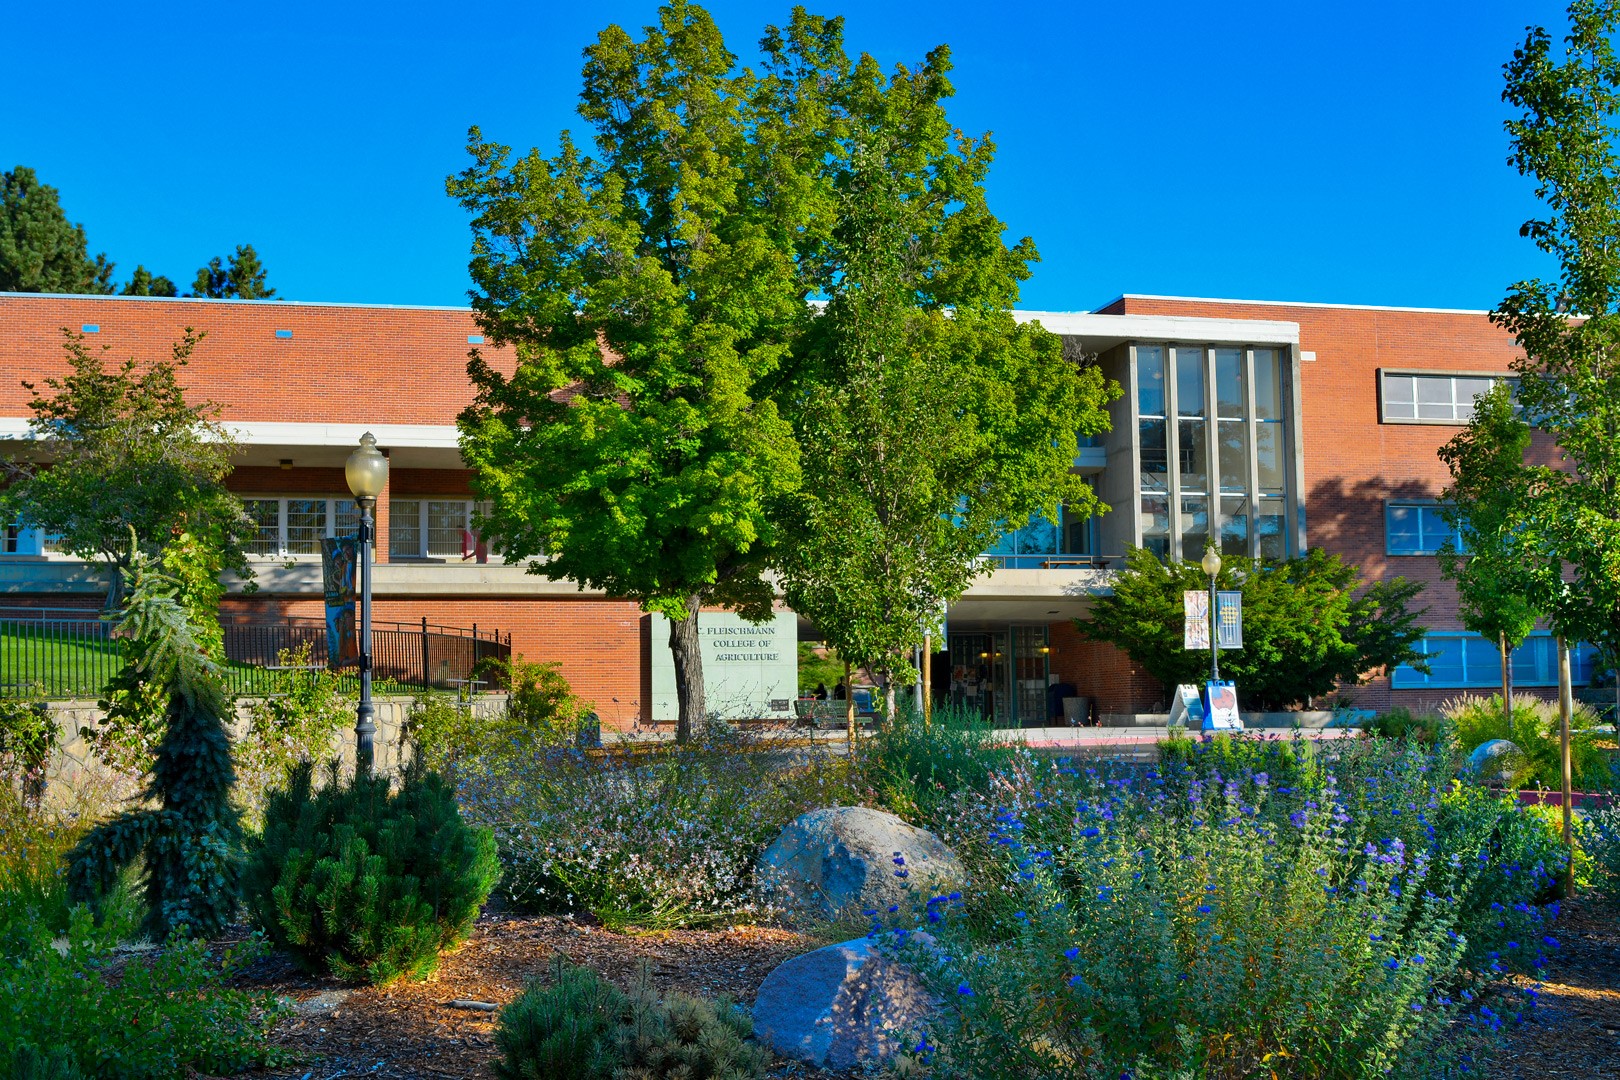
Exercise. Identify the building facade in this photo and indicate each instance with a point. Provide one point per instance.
(1270, 427)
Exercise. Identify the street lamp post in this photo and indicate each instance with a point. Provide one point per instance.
(367, 474)
(1212, 566)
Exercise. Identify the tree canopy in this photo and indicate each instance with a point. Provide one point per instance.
(651, 293)
(1308, 625)
(930, 422)
(40, 250)
(1569, 328)
(240, 277)
(119, 447)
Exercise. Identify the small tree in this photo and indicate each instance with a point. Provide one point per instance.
(144, 283)
(1306, 628)
(120, 449)
(240, 279)
(1497, 504)
(190, 841)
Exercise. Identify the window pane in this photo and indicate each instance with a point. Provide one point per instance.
(1234, 526)
(1435, 529)
(1156, 525)
(1398, 390)
(1484, 661)
(1039, 537)
(266, 517)
(306, 524)
(1234, 462)
(1465, 391)
(1268, 454)
(1193, 452)
(346, 517)
(1155, 456)
(1403, 530)
(404, 528)
(1189, 381)
(1434, 401)
(1229, 365)
(1194, 527)
(1446, 663)
(1268, 527)
(446, 524)
(1076, 534)
(1535, 663)
(1006, 544)
(1267, 385)
(1150, 380)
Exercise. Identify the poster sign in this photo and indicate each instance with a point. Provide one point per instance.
(1186, 708)
(1195, 602)
(750, 670)
(1222, 714)
(1229, 619)
(340, 556)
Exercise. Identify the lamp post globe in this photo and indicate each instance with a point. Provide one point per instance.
(1212, 566)
(367, 474)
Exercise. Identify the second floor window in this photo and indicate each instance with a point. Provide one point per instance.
(431, 529)
(1417, 529)
(1435, 398)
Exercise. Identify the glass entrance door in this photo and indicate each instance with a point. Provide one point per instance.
(1001, 673)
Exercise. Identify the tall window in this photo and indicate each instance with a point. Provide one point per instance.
(431, 529)
(1230, 443)
(1417, 529)
(1043, 542)
(1435, 398)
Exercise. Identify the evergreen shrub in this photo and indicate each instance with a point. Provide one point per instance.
(366, 882)
(580, 1027)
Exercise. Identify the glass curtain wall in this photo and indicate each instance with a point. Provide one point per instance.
(1229, 441)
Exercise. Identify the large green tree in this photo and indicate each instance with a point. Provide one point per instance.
(930, 421)
(117, 447)
(40, 250)
(1308, 625)
(651, 293)
(1503, 569)
(240, 277)
(1569, 328)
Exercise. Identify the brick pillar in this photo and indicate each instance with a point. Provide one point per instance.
(381, 514)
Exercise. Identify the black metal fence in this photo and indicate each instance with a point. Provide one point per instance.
(70, 653)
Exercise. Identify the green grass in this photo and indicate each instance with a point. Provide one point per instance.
(58, 665)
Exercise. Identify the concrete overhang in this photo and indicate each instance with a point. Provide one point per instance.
(1099, 333)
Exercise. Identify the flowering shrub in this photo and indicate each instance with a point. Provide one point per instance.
(298, 723)
(652, 837)
(1208, 918)
(1599, 834)
(916, 770)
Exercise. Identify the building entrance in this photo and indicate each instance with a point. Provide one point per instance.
(1001, 672)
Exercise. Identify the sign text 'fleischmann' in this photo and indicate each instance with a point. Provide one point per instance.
(739, 643)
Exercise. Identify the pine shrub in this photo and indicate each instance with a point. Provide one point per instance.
(580, 1027)
(366, 882)
(561, 1031)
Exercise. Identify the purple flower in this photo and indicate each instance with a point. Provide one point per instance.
(1203, 909)
(1071, 952)
(965, 990)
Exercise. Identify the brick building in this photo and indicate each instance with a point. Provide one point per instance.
(1269, 426)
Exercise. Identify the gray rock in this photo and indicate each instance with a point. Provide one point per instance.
(842, 860)
(842, 1006)
(1493, 762)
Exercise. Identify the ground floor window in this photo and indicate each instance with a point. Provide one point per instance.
(1463, 661)
(295, 525)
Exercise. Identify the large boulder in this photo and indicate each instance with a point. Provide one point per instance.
(851, 859)
(1494, 762)
(842, 1006)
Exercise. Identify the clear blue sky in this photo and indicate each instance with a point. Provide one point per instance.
(1346, 152)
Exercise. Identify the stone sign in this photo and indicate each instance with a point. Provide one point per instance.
(749, 670)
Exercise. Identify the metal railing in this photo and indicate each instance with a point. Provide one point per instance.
(72, 653)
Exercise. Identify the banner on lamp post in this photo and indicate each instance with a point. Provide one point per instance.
(1196, 605)
(1229, 619)
(339, 557)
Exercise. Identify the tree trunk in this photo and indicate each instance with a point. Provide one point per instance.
(1566, 705)
(686, 647)
(1507, 680)
(849, 706)
(927, 679)
(117, 573)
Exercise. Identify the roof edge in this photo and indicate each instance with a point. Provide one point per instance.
(1296, 303)
(231, 301)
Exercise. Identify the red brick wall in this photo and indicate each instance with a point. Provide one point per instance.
(343, 365)
(1102, 672)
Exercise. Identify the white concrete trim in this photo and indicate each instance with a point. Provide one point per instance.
(1296, 303)
(389, 436)
(1198, 330)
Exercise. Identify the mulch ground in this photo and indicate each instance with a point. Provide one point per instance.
(411, 1030)
(1574, 1031)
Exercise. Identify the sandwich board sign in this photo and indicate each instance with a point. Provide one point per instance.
(1222, 713)
(1186, 708)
